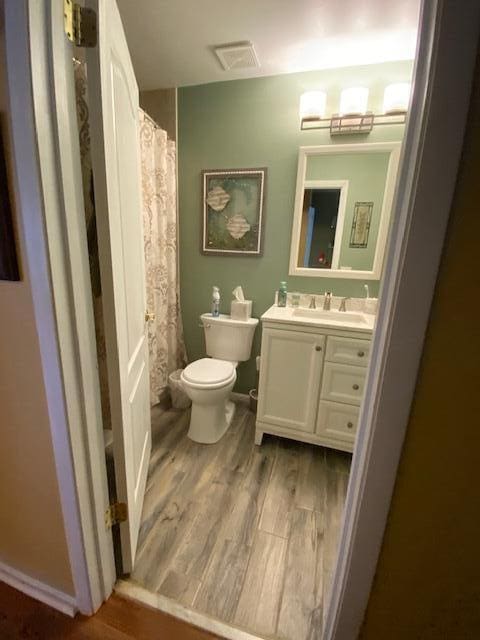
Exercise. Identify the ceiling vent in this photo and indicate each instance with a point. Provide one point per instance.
(237, 55)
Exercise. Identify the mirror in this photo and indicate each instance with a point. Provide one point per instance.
(342, 209)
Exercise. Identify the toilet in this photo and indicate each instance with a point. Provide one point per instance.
(209, 381)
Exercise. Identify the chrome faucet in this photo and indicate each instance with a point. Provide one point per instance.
(327, 301)
(343, 305)
(313, 304)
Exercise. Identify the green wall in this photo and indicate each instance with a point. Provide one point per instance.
(255, 123)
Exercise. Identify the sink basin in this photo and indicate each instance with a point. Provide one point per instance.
(335, 316)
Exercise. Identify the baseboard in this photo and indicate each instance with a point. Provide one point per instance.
(38, 590)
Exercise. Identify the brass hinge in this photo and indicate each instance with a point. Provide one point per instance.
(80, 24)
(116, 513)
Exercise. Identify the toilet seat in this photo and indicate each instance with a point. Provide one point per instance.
(209, 373)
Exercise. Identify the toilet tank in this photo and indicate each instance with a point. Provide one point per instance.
(228, 339)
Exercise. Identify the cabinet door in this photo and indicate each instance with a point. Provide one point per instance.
(290, 376)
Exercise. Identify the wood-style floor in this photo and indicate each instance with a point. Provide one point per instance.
(245, 534)
(22, 618)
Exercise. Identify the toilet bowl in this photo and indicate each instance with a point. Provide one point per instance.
(208, 382)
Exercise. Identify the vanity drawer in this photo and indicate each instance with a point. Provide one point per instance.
(343, 383)
(348, 350)
(337, 420)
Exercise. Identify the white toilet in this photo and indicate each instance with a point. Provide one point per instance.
(209, 381)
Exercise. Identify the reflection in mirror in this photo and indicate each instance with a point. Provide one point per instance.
(322, 224)
(342, 209)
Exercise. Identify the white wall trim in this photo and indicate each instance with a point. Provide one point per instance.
(39, 590)
(433, 143)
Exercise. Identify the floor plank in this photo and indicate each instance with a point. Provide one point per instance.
(260, 597)
(336, 490)
(301, 608)
(280, 497)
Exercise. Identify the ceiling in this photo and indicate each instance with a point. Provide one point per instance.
(171, 41)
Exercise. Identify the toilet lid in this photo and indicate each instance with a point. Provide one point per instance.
(209, 371)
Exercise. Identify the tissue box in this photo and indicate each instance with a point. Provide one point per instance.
(241, 310)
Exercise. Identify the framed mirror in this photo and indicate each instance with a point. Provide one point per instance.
(342, 209)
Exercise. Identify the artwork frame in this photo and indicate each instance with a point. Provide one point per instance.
(9, 265)
(362, 218)
(233, 212)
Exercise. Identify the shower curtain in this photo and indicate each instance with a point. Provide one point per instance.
(158, 160)
(158, 175)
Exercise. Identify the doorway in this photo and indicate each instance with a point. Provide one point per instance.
(357, 457)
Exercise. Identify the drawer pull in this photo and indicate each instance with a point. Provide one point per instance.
(360, 354)
(350, 425)
(356, 387)
(318, 348)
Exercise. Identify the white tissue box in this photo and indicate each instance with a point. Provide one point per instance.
(241, 310)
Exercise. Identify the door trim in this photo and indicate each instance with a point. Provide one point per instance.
(444, 67)
(436, 123)
(47, 166)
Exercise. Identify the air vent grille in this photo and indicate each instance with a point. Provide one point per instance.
(237, 55)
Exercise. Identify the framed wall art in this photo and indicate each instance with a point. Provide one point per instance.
(233, 212)
(8, 252)
(362, 216)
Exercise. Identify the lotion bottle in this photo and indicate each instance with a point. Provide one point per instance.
(215, 302)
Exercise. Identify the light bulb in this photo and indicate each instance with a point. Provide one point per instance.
(396, 97)
(353, 101)
(312, 104)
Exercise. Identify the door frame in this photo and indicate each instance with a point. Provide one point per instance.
(431, 153)
(52, 214)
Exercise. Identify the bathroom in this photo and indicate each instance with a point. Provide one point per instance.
(242, 500)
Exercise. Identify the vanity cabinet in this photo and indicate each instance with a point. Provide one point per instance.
(312, 382)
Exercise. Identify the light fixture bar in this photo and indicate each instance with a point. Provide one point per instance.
(352, 124)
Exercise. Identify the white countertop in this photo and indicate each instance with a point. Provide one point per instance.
(352, 320)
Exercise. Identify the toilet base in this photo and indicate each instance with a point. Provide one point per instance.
(208, 423)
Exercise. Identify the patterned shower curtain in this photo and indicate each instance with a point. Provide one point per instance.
(158, 158)
(165, 332)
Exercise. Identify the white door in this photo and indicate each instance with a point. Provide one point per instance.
(289, 358)
(113, 99)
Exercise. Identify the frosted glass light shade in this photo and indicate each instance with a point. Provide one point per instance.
(353, 100)
(396, 97)
(312, 104)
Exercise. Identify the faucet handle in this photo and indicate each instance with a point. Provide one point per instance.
(313, 304)
(343, 304)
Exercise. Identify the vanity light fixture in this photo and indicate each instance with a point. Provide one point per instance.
(353, 116)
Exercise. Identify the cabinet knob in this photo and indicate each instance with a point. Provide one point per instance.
(360, 354)
(318, 348)
(350, 425)
(356, 387)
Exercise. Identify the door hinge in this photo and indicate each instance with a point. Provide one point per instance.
(80, 24)
(116, 513)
